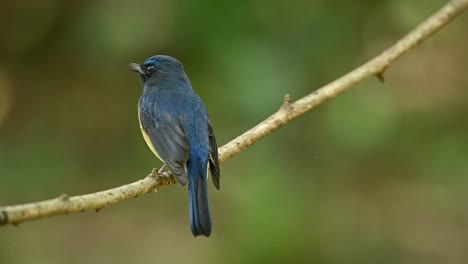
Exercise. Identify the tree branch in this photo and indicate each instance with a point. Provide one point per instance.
(64, 204)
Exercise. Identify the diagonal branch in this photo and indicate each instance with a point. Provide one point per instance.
(16, 214)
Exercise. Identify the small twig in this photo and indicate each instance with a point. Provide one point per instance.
(287, 101)
(16, 214)
(381, 75)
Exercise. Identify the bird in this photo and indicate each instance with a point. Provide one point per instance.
(176, 127)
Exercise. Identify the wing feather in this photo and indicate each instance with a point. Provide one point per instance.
(168, 139)
(214, 162)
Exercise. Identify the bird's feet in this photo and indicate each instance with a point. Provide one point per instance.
(164, 173)
(161, 170)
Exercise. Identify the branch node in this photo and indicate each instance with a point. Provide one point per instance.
(286, 102)
(380, 75)
(64, 197)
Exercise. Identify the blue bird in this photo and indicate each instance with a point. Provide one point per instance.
(176, 126)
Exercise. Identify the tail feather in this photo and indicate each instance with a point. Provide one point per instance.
(200, 220)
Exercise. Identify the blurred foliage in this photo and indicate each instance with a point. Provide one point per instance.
(377, 175)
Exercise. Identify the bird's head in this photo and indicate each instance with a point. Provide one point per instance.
(158, 67)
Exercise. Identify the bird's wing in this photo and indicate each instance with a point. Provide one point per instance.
(167, 137)
(214, 162)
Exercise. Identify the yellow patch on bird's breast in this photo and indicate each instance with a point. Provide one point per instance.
(147, 138)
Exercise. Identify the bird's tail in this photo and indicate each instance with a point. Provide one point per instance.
(200, 220)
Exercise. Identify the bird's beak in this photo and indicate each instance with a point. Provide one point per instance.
(136, 68)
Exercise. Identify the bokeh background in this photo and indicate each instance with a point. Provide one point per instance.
(377, 175)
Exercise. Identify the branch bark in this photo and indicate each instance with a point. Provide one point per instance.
(16, 214)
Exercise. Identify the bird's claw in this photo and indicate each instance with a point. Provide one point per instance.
(155, 173)
(161, 170)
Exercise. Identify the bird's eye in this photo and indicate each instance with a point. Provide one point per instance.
(150, 69)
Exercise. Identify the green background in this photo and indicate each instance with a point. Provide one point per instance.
(376, 175)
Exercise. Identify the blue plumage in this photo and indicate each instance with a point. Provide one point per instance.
(177, 128)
